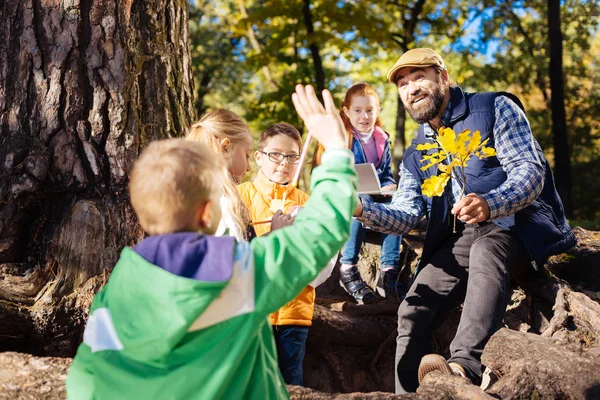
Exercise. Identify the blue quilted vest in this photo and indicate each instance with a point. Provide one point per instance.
(542, 226)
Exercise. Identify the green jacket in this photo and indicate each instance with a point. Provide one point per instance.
(195, 326)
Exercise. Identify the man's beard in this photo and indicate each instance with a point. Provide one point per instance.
(429, 107)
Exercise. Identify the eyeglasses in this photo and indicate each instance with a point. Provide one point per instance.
(278, 157)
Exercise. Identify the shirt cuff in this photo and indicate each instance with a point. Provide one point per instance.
(368, 213)
(493, 205)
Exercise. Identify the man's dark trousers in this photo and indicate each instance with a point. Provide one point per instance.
(474, 264)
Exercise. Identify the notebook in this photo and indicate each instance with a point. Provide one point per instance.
(368, 181)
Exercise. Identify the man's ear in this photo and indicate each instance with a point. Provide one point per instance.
(204, 215)
(225, 143)
(445, 76)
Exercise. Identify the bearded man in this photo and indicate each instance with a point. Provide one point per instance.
(510, 219)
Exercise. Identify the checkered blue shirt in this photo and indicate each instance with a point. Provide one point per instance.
(515, 149)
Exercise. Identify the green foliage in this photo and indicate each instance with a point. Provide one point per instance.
(270, 54)
(451, 156)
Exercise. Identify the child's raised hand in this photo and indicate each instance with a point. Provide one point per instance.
(323, 123)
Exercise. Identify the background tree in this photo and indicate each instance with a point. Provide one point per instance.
(313, 46)
(83, 87)
(215, 56)
(562, 162)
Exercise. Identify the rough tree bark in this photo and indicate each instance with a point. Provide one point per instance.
(84, 85)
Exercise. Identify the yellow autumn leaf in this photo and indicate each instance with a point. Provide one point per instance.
(425, 167)
(486, 152)
(432, 159)
(447, 139)
(456, 162)
(435, 185)
(444, 168)
(440, 155)
(461, 143)
(474, 143)
(427, 146)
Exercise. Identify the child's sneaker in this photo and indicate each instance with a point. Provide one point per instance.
(389, 285)
(356, 287)
(435, 362)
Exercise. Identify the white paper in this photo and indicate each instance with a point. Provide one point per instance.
(368, 181)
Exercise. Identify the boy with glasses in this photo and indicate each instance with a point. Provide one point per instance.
(277, 156)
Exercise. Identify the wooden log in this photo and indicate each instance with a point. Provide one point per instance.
(302, 393)
(576, 319)
(437, 385)
(331, 327)
(532, 366)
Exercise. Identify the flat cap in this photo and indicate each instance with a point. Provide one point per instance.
(421, 57)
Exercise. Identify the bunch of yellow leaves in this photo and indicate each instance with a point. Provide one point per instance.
(457, 150)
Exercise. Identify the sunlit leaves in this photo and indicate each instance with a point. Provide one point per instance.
(454, 152)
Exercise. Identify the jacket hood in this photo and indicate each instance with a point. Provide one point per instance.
(190, 255)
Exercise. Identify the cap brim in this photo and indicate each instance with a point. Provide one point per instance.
(391, 76)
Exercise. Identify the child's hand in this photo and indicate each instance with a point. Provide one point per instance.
(323, 123)
(281, 220)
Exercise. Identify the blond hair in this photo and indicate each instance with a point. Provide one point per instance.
(211, 129)
(169, 181)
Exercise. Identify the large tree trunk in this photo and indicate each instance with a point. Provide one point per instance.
(562, 162)
(84, 85)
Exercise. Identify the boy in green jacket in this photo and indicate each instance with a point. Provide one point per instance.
(184, 314)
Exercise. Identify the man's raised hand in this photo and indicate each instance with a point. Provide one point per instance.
(323, 123)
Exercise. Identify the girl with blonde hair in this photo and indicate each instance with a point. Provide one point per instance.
(228, 135)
